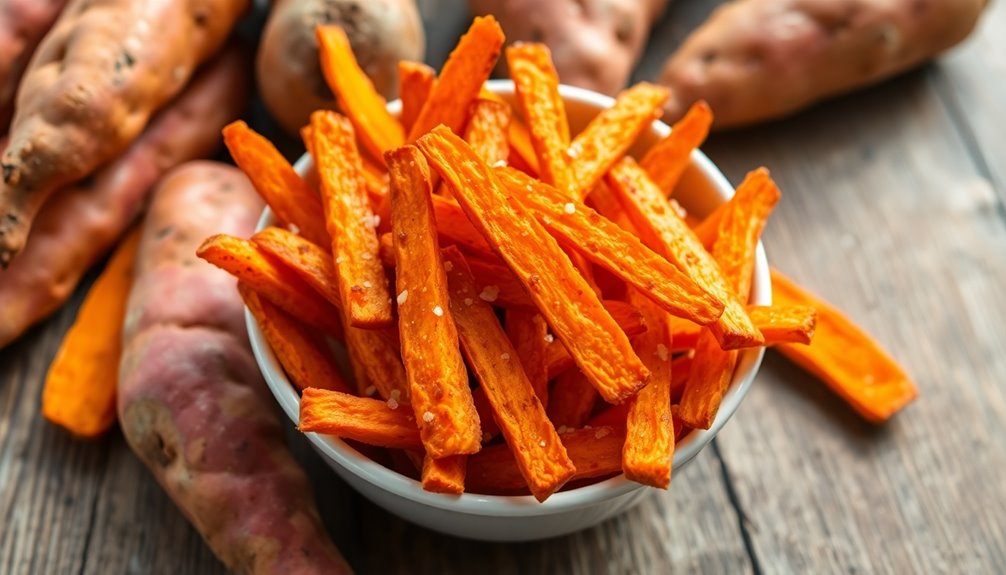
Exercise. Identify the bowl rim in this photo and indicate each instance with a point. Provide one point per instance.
(366, 469)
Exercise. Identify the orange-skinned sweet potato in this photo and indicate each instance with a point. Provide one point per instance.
(192, 403)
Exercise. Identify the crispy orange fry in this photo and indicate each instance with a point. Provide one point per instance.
(616, 415)
(668, 158)
(357, 97)
(528, 333)
(446, 475)
(438, 380)
(595, 452)
(311, 263)
(304, 357)
(522, 155)
(628, 318)
(785, 324)
(649, 438)
(454, 227)
(415, 82)
(663, 230)
(734, 251)
(80, 386)
(518, 412)
(572, 400)
(461, 78)
(362, 419)
(290, 197)
(487, 130)
(376, 361)
(684, 334)
(363, 287)
(537, 86)
(607, 137)
(271, 279)
(573, 310)
(603, 242)
(846, 358)
(604, 200)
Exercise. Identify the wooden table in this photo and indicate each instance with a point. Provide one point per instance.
(893, 209)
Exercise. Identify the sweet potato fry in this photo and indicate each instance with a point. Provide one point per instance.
(289, 196)
(603, 242)
(607, 137)
(303, 355)
(489, 427)
(572, 400)
(311, 263)
(528, 333)
(267, 276)
(518, 412)
(357, 97)
(572, 309)
(845, 357)
(537, 86)
(649, 439)
(445, 475)
(663, 230)
(604, 200)
(438, 380)
(785, 324)
(415, 81)
(362, 419)
(616, 415)
(734, 251)
(668, 158)
(487, 130)
(376, 361)
(363, 287)
(80, 386)
(595, 452)
(628, 318)
(522, 155)
(684, 334)
(454, 227)
(461, 78)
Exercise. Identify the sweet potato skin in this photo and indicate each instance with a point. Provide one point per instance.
(90, 89)
(79, 224)
(755, 60)
(382, 32)
(23, 23)
(594, 43)
(192, 403)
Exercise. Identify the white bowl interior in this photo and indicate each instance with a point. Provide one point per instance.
(701, 189)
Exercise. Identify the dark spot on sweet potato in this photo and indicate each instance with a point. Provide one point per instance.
(8, 172)
(12, 218)
(709, 57)
(165, 453)
(163, 232)
(123, 61)
(536, 34)
(200, 18)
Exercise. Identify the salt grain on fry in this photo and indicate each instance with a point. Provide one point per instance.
(438, 311)
(489, 293)
(428, 416)
(402, 297)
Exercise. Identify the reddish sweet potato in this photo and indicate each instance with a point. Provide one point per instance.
(78, 225)
(22, 26)
(191, 401)
(90, 89)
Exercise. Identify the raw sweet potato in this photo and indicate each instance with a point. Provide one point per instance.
(755, 60)
(22, 26)
(192, 403)
(595, 43)
(90, 89)
(382, 32)
(79, 224)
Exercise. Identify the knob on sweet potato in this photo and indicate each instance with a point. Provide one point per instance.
(289, 77)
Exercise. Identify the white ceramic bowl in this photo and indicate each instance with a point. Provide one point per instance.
(499, 518)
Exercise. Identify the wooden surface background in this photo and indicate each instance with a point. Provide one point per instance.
(893, 209)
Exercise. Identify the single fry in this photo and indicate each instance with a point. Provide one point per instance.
(362, 419)
(785, 324)
(363, 287)
(572, 309)
(311, 263)
(845, 357)
(684, 334)
(595, 452)
(461, 78)
(487, 130)
(668, 158)
(80, 386)
(438, 380)
(608, 136)
(603, 242)
(537, 86)
(528, 333)
(357, 97)
(572, 400)
(415, 82)
(539, 453)
(734, 251)
(665, 231)
(288, 195)
(267, 276)
(303, 355)
(446, 475)
(649, 437)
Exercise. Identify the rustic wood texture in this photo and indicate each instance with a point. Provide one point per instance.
(893, 208)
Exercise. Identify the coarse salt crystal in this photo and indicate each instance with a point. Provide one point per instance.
(367, 256)
(542, 443)
(428, 416)
(662, 352)
(561, 429)
(293, 229)
(367, 284)
(402, 297)
(371, 390)
(489, 293)
(392, 403)
(339, 260)
(505, 356)
(469, 301)
(569, 208)
(448, 266)
(438, 311)
(500, 164)
(601, 432)
(573, 152)
(396, 394)
(549, 338)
